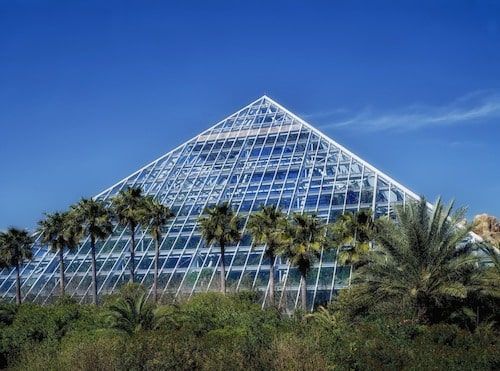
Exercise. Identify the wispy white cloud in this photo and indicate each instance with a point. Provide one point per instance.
(468, 144)
(322, 114)
(473, 108)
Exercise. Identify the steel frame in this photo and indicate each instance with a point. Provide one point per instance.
(179, 179)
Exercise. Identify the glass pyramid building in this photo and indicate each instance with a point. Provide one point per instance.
(262, 154)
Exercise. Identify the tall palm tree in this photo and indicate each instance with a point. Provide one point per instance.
(220, 225)
(420, 262)
(156, 216)
(352, 233)
(268, 227)
(94, 220)
(128, 208)
(60, 231)
(15, 249)
(307, 237)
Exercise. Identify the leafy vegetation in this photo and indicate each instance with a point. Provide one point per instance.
(422, 262)
(423, 297)
(214, 331)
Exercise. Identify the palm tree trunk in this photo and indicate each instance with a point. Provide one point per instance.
(18, 285)
(303, 291)
(222, 271)
(61, 270)
(132, 254)
(155, 279)
(94, 271)
(271, 281)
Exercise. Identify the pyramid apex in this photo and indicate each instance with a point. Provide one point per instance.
(260, 154)
(268, 98)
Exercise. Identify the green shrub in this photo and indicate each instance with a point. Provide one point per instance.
(291, 352)
(7, 313)
(92, 350)
(216, 332)
(34, 324)
(158, 350)
(38, 356)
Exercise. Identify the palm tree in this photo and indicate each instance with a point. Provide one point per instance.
(220, 225)
(352, 233)
(307, 237)
(131, 314)
(94, 219)
(268, 227)
(489, 277)
(324, 317)
(15, 249)
(60, 231)
(420, 262)
(156, 215)
(128, 208)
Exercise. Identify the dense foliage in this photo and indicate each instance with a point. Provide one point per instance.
(214, 332)
(423, 296)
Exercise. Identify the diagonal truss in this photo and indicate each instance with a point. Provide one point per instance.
(261, 154)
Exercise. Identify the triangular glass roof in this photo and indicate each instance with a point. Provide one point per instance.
(262, 154)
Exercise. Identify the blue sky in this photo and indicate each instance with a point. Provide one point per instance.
(91, 91)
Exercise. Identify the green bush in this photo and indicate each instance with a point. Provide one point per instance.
(232, 329)
(92, 350)
(216, 332)
(7, 313)
(34, 324)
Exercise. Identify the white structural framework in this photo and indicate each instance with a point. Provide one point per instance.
(263, 154)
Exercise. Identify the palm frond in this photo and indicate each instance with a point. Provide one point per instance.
(423, 259)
